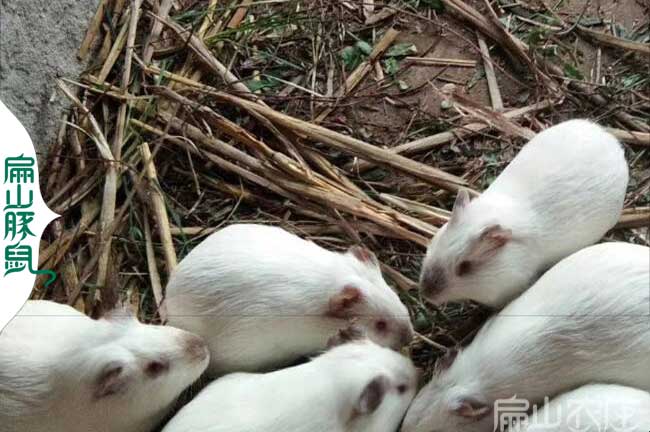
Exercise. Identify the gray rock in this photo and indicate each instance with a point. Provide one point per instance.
(39, 42)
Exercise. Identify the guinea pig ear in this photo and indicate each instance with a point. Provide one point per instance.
(364, 255)
(341, 303)
(372, 395)
(489, 242)
(112, 380)
(349, 334)
(462, 201)
(446, 360)
(471, 407)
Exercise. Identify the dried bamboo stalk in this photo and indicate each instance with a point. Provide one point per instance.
(613, 41)
(154, 276)
(634, 218)
(156, 29)
(92, 31)
(159, 210)
(631, 137)
(109, 196)
(116, 49)
(493, 85)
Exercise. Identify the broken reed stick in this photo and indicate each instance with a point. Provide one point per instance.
(154, 276)
(493, 85)
(159, 210)
(500, 122)
(156, 29)
(613, 41)
(239, 14)
(631, 137)
(116, 49)
(109, 197)
(433, 141)
(634, 218)
(440, 216)
(361, 71)
(351, 145)
(93, 31)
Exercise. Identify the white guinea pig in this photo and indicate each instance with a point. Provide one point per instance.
(561, 193)
(355, 387)
(262, 297)
(585, 320)
(593, 408)
(61, 371)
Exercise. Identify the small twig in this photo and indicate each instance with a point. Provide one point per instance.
(431, 342)
(493, 85)
(154, 276)
(432, 61)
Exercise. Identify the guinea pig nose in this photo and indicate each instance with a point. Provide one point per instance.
(432, 282)
(407, 334)
(195, 347)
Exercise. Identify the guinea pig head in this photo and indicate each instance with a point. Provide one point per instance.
(380, 384)
(445, 405)
(138, 372)
(464, 256)
(364, 296)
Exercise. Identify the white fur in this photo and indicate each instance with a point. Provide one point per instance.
(586, 320)
(259, 296)
(593, 408)
(561, 193)
(51, 357)
(319, 396)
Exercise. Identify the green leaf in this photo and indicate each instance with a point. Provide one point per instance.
(351, 56)
(364, 47)
(401, 50)
(391, 66)
(255, 85)
(437, 5)
(572, 72)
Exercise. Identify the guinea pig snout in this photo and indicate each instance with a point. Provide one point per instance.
(406, 334)
(432, 282)
(195, 347)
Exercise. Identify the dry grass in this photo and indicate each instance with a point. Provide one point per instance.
(341, 121)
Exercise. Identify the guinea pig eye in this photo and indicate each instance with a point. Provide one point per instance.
(156, 368)
(381, 326)
(402, 388)
(464, 268)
